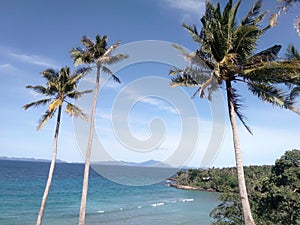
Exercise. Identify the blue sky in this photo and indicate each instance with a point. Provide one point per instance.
(36, 35)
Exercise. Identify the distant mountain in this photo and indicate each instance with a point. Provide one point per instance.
(149, 163)
(29, 159)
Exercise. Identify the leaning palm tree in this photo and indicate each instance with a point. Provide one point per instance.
(95, 53)
(225, 57)
(60, 86)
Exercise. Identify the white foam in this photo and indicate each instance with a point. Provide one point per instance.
(139, 207)
(100, 211)
(188, 200)
(158, 204)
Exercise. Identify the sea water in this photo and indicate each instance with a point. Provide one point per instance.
(22, 185)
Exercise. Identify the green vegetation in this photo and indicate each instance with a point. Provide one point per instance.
(274, 191)
(219, 180)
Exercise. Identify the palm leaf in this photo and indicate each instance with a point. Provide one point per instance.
(292, 53)
(44, 119)
(286, 72)
(80, 73)
(73, 110)
(77, 56)
(54, 104)
(295, 92)
(37, 103)
(108, 71)
(183, 80)
(87, 42)
(39, 89)
(77, 94)
(250, 19)
(267, 55)
(50, 74)
(271, 94)
(193, 32)
(236, 100)
(111, 49)
(109, 60)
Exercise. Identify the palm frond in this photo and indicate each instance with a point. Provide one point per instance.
(183, 80)
(297, 25)
(229, 17)
(39, 89)
(108, 71)
(286, 72)
(73, 110)
(175, 71)
(44, 119)
(295, 92)
(250, 19)
(77, 94)
(236, 101)
(111, 49)
(77, 54)
(245, 40)
(78, 74)
(109, 60)
(54, 104)
(37, 103)
(50, 74)
(292, 53)
(271, 94)
(87, 42)
(193, 32)
(267, 55)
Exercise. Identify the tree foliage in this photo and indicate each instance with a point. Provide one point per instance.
(274, 191)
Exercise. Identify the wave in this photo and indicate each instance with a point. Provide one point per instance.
(158, 204)
(153, 204)
(188, 200)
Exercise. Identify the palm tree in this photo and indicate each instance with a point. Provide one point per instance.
(95, 52)
(60, 86)
(225, 57)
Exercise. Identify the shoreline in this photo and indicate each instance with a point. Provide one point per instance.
(186, 187)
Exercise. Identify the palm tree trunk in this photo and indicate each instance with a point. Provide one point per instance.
(51, 169)
(88, 153)
(248, 219)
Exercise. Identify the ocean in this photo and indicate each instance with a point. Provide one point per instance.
(22, 185)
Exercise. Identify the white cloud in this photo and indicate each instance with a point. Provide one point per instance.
(34, 59)
(8, 68)
(188, 8)
(159, 104)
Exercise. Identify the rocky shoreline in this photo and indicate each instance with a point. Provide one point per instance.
(185, 187)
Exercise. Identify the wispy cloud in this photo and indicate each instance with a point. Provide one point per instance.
(189, 8)
(159, 104)
(34, 59)
(7, 68)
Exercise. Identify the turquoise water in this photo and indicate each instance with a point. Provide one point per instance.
(22, 185)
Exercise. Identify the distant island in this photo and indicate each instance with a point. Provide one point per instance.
(29, 159)
(149, 163)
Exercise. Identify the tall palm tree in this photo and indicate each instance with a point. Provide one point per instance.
(59, 87)
(95, 53)
(225, 57)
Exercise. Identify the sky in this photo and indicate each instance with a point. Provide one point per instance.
(141, 118)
